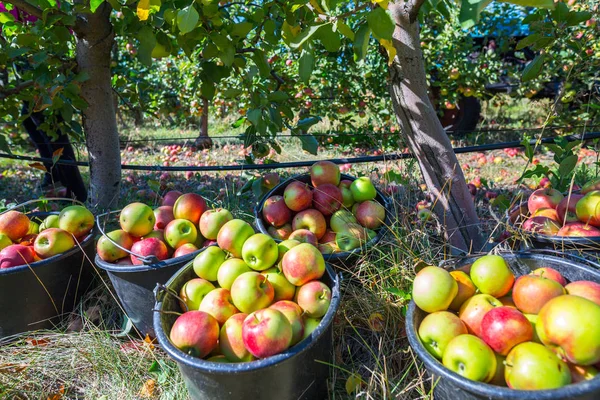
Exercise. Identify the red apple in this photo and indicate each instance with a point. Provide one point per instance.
(108, 251)
(531, 292)
(328, 237)
(232, 235)
(275, 212)
(195, 333)
(474, 309)
(53, 241)
(231, 341)
(270, 180)
(323, 172)
(566, 209)
(16, 255)
(304, 236)
(190, 206)
(312, 220)
(293, 313)
(314, 298)
(543, 225)
(502, 328)
(586, 289)
(184, 249)
(303, 263)
(266, 332)
(298, 196)
(212, 221)
(171, 197)
(578, 229)
(370, 214)
(281, 233)
(219, 304)
(550, 273)
(543, 198)
(193, 291)
(137, 219)
(14, 224)
(163, 215)
(149, 247)
(327, 198)
(251, 291)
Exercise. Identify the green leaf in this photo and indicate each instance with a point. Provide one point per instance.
(560, 13)
(536, 41)
(4, 144)
(567, 166)
(306, 123)
(254, 116)
(232, 93)
(344, 29)
(470, 10)
(94, 4)
(575, 18)
(147, 43)
(306, 64)
(242, 29)
(309, 143)
(278, 96)
(331, 40)
(6, 17)
(381, 23)
(532, 3)
(187, 19)
(533, 69)
(361, 42)
(304, 36)
(207, 89)
(227, 55)
(260, 59)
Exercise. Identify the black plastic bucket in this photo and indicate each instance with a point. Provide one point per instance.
(334, 258)
(35, 296)
(452, 386)
(301, 372)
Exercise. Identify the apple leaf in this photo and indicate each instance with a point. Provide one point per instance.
(567, 166)
(309, 143)
(187, 19)
(470, 10)
(304, 36)
(341, 27)
(381, 23)
(147, 43)
(94, 4)
(532, 3)
(361, 42)
(331, 40)
(306, 64)
(533, 69)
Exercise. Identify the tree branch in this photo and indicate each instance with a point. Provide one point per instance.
(238, 3)
(4, 93)
(25, 6)
(280, 80)
(415, 7)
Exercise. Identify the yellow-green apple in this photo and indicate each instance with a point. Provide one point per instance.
(137, 219)
(53, 241)
(298, 196)
(219, 304)
(567, 208)
(207, 263)
(77, 220)
(4, 241)
(14, 224)
(327, 198)
(163, 215)
(548, 213)
(231, 341)
(251, 291)
(312, 220)
(531, 366)
(474, 309)
(438, 329)
(270, 180)
(303, 263)
(179, 232)
(195, 333)
(370, 214)
(281, 233)
(314, 298)
(275, 212)
(578, 229)
(266, 332)
(466, 289)
(588, 208)
(550, 273)
(187, 248)
(293, 313)
(362, 189)
(190, 206)
(543, 198)
(260, 252)
(434, 289)
(353, 237)
(310, 324)
(531, 292)
(229, 270)
(51, 221)
(232, 236)
(502, 328)
(590, 186)
(284, 246)
(347, 198)
(193, 291)
(533, 319)
(586, 289)
(323, 172)
(304, 236)
(15, 255)
(569, 325)
(108, 251)
(345, 241)
(212, 221)
(492, 275)
(149, 247)
(580, 373)
(542, 225)
(340, 219)
(469, 356)
(34, 228)
(284, 290)
(498, 378)
(171, 197)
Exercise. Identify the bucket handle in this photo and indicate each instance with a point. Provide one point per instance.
(40, 200)
(160, 291)
(152, 259)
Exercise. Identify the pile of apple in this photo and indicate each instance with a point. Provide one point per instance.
(253, 298)
(24, 241)
(534, 332)
(575, 215)
(333, 215)
(182, 225)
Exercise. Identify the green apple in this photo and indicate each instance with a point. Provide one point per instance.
(193, 291)
(284, 246)
(229, 270)
(293, 313)
(492, 275)
(232, 235)
(207, 263)
(347, 198)
(108, 251)
(137, 219)
(260, 252)
(51, 221)
(340, 220)
(212, 221)
(532, 366)
(252, 291)
(179, 232)
(34, 228)
(438, 329)
(284, 290)
(4, 241)
(310, 324)
(434, 289)
(533, 319)
(362, 189)
(77, 220)
(469, 356)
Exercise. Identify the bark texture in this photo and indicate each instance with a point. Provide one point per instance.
(204, 141)
(425, 134)
(95, 39)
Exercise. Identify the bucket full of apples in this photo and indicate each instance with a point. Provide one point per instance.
(553, 220)
(150, 245)
(250, 318)
(509, 326)
(45, 265)
(340, 214)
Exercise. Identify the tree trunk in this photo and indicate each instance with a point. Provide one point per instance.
(203, 141)
(95, 39)
(426, 137)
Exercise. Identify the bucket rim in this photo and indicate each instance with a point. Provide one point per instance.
(435, 367)
(116, 268)
(250, 366)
